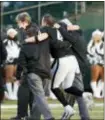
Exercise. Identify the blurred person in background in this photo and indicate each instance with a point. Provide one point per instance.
(3, 55)
(95, 56)
(12, 47)
(66, 18)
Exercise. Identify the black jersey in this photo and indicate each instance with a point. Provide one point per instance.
(79, 46)
(58, 47)
(3, 53)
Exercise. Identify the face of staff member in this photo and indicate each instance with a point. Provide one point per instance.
(23, 20)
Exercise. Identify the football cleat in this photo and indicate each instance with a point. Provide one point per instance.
(68, 112)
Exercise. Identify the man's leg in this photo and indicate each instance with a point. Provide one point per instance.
(30, 101)
(22, 102)
(73, 84)
(1, 86)
(82, 108)
(59, 75)
(77, 91)
(23, 98)
(36, 86)
(46, 85)
(59, 72)
(35, 113)
(70, 98)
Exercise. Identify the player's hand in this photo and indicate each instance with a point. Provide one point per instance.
(30, 40)
(42, 36)
(56, 25)
(18, 82)
(73, 27)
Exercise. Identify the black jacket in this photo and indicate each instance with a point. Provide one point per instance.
(3, 53)
(79, 47)
(34, 58)
(58, 48)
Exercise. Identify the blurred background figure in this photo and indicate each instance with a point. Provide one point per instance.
(3, 55)
(66, 18)
(95, 56)
(12, 47)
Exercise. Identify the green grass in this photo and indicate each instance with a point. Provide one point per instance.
(96, 114)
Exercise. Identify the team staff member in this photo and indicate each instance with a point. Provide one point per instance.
(25, 96)
(35, 59)
(3, 55)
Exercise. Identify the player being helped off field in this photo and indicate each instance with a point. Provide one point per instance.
(71, 79)
(67, 73)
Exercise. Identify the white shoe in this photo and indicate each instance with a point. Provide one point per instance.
(96, 91)
(68, 112)
(88, 97)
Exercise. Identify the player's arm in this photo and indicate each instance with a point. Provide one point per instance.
(66, 35)
(73, 27)
(40, 37)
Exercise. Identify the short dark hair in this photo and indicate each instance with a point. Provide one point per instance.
(49, 19)
(24, 16)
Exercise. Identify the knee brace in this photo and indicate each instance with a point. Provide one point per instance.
(60, 95)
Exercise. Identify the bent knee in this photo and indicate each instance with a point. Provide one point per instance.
(74, 91)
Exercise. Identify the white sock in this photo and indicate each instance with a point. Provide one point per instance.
(15, 90)
(102, 85)
(9, 89)
(96, 91)
(93, 85)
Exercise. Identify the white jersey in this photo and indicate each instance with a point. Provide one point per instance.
(95, 52)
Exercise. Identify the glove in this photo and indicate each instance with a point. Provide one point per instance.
(68, 112)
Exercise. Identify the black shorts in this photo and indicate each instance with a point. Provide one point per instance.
(14, 62)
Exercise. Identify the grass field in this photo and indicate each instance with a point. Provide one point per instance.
(8, 110)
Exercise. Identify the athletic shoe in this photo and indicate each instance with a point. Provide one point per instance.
(68, 112)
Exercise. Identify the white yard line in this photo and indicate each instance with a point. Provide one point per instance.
(50, 105)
